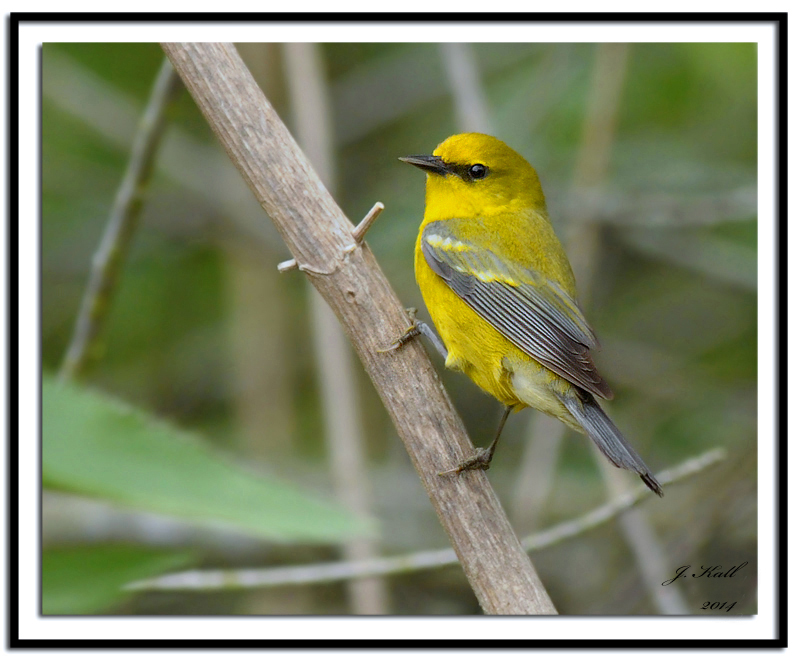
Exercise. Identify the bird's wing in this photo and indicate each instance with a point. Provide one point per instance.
(533, 312)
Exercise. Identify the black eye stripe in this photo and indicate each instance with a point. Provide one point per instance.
(469, 172)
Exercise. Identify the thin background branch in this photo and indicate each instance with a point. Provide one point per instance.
(113, 250)
(305, 78)
(472, 110)
(407, 563)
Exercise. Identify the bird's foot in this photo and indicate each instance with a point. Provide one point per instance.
(478, 461)
(406, 336)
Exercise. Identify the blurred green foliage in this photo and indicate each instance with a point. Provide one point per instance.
(674, 299)
(90, 579)
(97, 446)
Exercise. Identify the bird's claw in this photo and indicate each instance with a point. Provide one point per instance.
(481, 460)
(409, 334)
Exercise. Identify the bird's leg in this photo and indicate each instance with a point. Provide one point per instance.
(417, 328)
(482, 457)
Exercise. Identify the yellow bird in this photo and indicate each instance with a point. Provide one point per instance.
(501, 293)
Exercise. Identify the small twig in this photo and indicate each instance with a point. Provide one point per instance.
(287, 265)
(110, 256)
(416, 561)
(359, 232)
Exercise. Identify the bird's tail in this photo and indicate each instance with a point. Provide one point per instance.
(599, 427)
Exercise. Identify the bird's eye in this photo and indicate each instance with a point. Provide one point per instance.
(478, 171)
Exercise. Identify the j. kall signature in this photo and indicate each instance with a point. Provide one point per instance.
(705, 571)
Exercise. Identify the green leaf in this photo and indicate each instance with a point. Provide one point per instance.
(89, 579)
(98, 446)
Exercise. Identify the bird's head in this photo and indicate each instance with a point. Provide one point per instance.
(474, 174)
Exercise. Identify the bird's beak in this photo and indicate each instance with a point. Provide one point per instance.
(428, 163)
